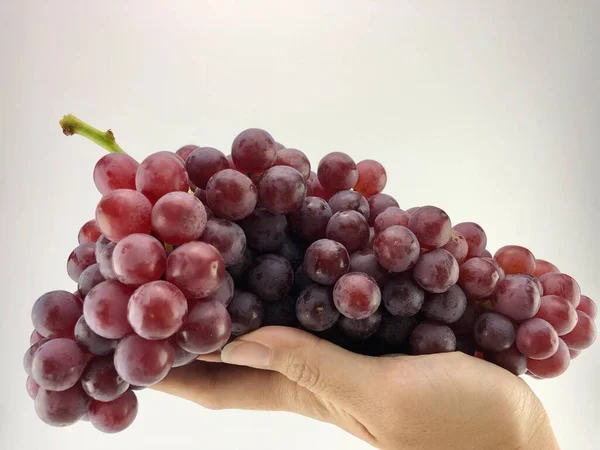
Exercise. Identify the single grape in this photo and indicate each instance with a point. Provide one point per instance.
(301, 279)
(35, 337)
(60, 409)
(315, 308)
(281, 190)
(265, 232)
(431, 226)
(558, 312)
(428, 338)
(356, 295)
(101, 244)
(372, 178)
(78, 297)
(206, 329)
(475, 237)
(337, 171)
(156, 310)
(293, 158)
(89, 232)
(32, 388)
(536, 339)
(494, 332)
(105, 309)
(543, 267)
(551, 367)
(292, 249)
(389, 217)
(501, 274)
(279, 147)
(478, 278)
(515, 259)
(139, 259)
(517, 297)
(89, 278)
(457, 246)
(246, 312)
(360, 329)
(115, 171)
(379, 203)
(365, 261)
(574, 353)
(281, 313)
(446, 307)
(562, 285)
(196, 268)
(239, 269)
(486, 254)
(325, 261)
(314, 188)
(436, 271)
(182, 357)
(124, 212)
(395, 330)
(412, 210)
(584, 333)
(349, 228)
(159, 174)
(80, 259)
(466, 322)
(396, 248)
(202, 163)
(348, 200)
(55, 313)
(227, 237)
(91, 342)
(224, 292)
(142, 362)
(178, 218)
(58, 364)
(271, 277)
(511, 359)
(185, 151)
(200, 194)
(310, 220)
(403, 297)
(253, 151)
(105, 261)
(231, 195)
(30, 353)
(588, 306)
(114, 416)
(101, 381)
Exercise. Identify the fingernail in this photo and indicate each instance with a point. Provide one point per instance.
(243, 353)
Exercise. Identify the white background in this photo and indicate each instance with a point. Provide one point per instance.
(489, 110)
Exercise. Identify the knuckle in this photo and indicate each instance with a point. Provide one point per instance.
(301, 372)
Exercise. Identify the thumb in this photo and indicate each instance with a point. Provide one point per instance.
(314, 364)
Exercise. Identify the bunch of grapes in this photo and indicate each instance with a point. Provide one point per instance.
(164, 276)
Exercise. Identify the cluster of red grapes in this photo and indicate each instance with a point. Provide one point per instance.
(165, 276)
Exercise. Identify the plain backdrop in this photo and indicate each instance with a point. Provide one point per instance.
(489, 110)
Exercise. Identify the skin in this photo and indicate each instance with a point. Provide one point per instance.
(443, 401)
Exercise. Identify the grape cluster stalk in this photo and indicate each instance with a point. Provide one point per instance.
(193, 248)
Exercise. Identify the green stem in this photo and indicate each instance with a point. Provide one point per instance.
(106, 139)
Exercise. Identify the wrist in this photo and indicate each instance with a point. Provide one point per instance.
(535, 429)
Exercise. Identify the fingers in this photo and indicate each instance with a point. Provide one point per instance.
(315, 364)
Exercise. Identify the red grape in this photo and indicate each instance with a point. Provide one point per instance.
(202, 163)
(515, 259)
(372, 178)
(337, 171)
(511, 359)
(360, 329)
(428, 338)
(478, 278)
(115, 171)
(315, 308)
(356, 295)
(390, 217)
(457, 245)
(326, 261)
(293, 158)
(239, 269)
(282, 313)
(114, 416)
(89, 232)
(224, 292)
(101, 381)
(80, 259)
(403, 297)
(517, 297)
(396, 248)
(227, 237)
(159, 174)
(231, 195)
(156, 310)
(475, 237)
(185, 151)
(30, 353)
(64, 408)
(349, 228)
(196, 268)
(310, 220)
(91, 342)
(124, 212)
(558, 312)
(105, 261)
(89, 278)
(551, 367)
(105, 309)
(431, 226)
(588, 306)
(178, 218)
(379, 203)
(543, 267)
(584, 333)
(139, 259)
(314, 188)
(365, 261)
(55, 313)
(501, 273)
(265, 232)
(142, 362)
(270, 277)
(536, 339)
(446, 307)
(562, 285)
(349, 200)
(32, 388)
(494, 332)
(35, 337)
(436, 271)
(281, 189)
(246, 312)
(395, 330)
(292, 249)
(207, 328)
(466, 322)
(253, 151)
(58, 364)
(574, 353)
(182, 357)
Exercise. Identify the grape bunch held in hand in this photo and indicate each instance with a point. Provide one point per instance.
(193, 248)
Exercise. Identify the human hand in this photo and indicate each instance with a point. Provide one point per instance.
(447, 400)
